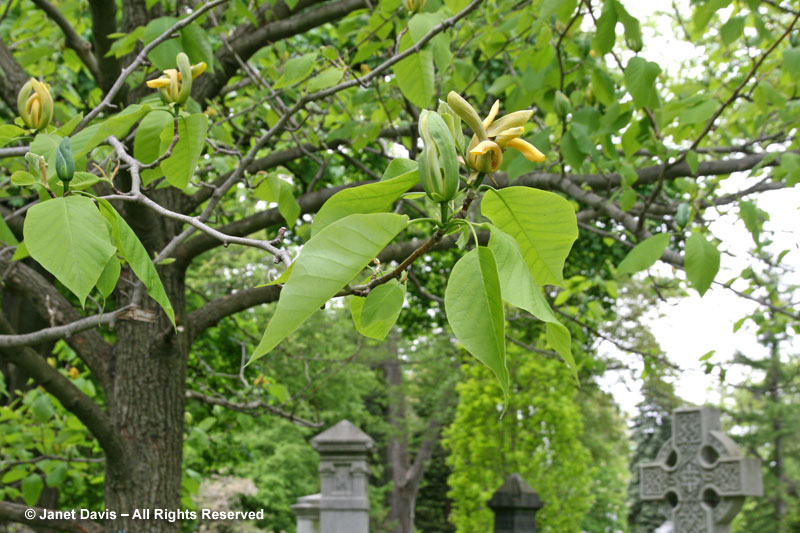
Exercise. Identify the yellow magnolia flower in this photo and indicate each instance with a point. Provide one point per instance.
(35, 105)
(492, 137)
(173, 85)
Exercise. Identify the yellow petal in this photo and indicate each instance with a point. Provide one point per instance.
(480, 159)
(158, 82)
(503, 138)
(530, 152)
(512, 120)
(493, 113)
(198, 69)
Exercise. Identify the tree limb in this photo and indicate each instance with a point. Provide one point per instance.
(213, 312)
(82, 47)
(249, 407)
(75, 401)
(60, 332)
(51, 305)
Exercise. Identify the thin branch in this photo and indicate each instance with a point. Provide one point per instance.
(61, 332)
(127, 71)
(82, 47)
(249, 407)
(75, 401)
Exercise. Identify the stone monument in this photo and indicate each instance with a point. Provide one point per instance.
(343, 503)
(700, 474)
(515, 505)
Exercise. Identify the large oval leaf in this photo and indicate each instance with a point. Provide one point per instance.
(520, 290)
(328, 262)
(69, 238)
(134, 252)
(370, 198)
(701, 262)
(542, 223)
(474, 307)
(179, 167)
(644, 254)
(375, 315)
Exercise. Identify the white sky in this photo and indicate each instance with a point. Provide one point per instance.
(692, 326)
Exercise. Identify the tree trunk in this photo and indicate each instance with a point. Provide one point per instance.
(774, 386)
(145, 399)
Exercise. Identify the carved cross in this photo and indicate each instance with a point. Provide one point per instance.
(700, 474)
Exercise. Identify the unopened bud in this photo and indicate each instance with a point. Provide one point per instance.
(35, 104)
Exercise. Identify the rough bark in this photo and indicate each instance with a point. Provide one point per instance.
(146, 396)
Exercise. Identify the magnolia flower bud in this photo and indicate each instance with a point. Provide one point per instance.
(438, 162)
(35, 105)
(414, 6)
(65, 163)
(453, 122)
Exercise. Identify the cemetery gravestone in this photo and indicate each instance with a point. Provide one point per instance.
(515, 505)
(701, 474)
(343, 503)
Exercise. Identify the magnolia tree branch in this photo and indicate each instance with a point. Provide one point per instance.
(135, 195)
(61, 332)
(254, 407)
(127, 71)
(73, 400)
(52, 306)
(82, 47)
(15, 512)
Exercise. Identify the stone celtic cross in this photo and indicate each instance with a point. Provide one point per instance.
(700, 474)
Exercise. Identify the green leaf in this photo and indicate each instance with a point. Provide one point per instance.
(698, 113)
(474, 307)
(640, 79)
(163, 55)
(9, 133)
(195, 43)
(296, 69)
(732, 30)
(628, 199)
(21, 178)
(692, 161)
(69, 238)
(135, 254)
(147, 142)
(542, 223)
(791, 60)
(644, 255)
(179, 167)
(7, 236)
(398, 167)
(753, 218)
(57, 475)
(275, 190)
(328, 262)
(327, 78)
(118, 125)
(415, 75)
(15, 474)
(701, 262)
(21, 252)
(706, 356)
(370, 198)
(606, 34)
(520, 290)
(32, 488)
(108, 279)
(375, 315)
(42, 408)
